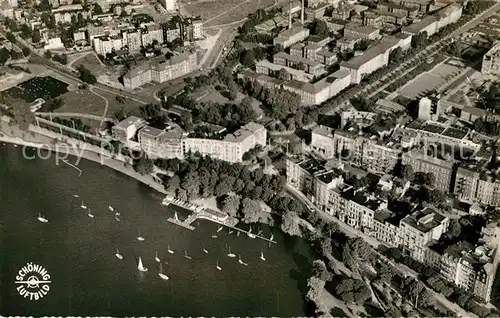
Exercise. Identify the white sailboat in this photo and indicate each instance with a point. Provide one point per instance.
(160, 273)
(220, 229)
(238, 234)
(230, 254)
(118, 255)
(217, 266)
(117, 219)
(262, 256)
(111, 208)
(169, 250)
(76, 196)
(186, 255)
(140, 238)
(214, 236)
(271, 238)
(83, 206)
(241, 262)
(204, 249)
(90, 215)
(117, 213)
(250, 235)
(230, 232)
(156, 257)
(42, 219)
(176, 217)
(140, 266)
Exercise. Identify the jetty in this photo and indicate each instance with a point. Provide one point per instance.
(186, 223)
(200, 212)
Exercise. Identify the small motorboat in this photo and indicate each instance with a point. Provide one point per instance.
(111, 208)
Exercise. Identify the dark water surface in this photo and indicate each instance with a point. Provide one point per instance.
(79, 252)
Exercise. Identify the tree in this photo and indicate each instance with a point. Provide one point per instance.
(144, 166)
(396, 55)
(191, 183)
(26, 51)
(25, 31)
(408, 173)
(173, 183)
(85, 75)
(4, 55)
(247, 58)
(35, 36)
(250, 210)
(47, 54)
(97, 9)
(231, 205)
(11, 37)
(320, 271)
(290, 223)
(181, 194)
(48, 20)
(316, 286)
(319, 27)
(282, 74)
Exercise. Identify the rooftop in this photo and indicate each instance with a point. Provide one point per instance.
(129, 121)
(425, 220)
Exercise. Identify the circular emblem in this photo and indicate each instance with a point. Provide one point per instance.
(33, 281)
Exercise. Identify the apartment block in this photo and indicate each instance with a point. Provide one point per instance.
(151, 34)
(63, 14)
(310, 176)
(309, 66)
(420, 228)
(474, 184)
(442, 170)
(466, 265)
(132, 39)
(368, 152)
(322, 141)
(107, 44)
(158, 143)
(161, 71)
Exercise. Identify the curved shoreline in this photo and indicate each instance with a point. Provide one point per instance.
(71, 148)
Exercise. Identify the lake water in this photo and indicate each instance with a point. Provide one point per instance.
(79, 252)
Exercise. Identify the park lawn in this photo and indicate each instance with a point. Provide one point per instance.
(114, 106)
(91, 62)
(82, 101)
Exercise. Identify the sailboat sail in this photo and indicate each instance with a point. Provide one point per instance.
(141, 266)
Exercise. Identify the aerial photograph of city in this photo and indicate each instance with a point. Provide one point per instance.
(250, 158)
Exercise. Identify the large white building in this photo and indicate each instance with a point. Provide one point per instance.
(107, 44)
(170, 5)
(175, 144)
(63, 14)
(159, 72)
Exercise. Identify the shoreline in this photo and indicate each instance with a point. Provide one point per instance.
(80, 149)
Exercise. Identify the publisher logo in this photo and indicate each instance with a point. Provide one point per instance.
(33, 281)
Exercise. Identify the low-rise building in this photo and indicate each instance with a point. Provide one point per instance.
(63, 14)
(127, 128)
(356, 31)
(291, 36)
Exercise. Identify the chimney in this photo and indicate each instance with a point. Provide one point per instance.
(302, 13)
(289, 14)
